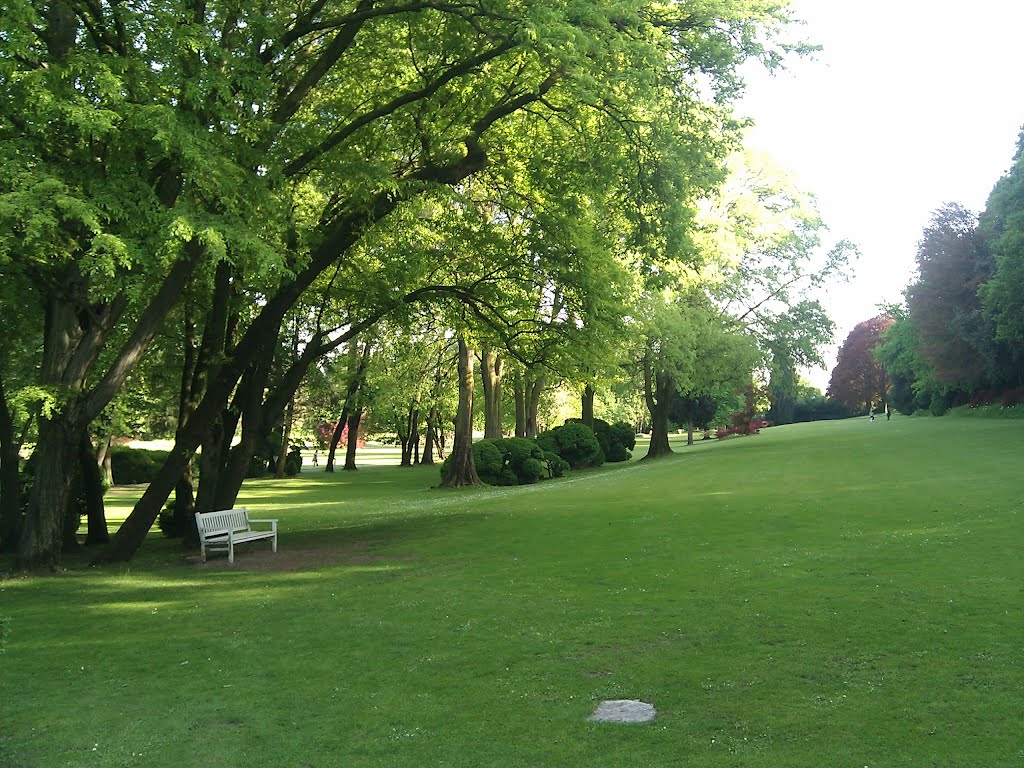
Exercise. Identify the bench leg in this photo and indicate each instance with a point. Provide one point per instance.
(273, 544)
(231, 550)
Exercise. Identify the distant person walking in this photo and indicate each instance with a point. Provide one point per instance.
(316, 459)
(888, 413)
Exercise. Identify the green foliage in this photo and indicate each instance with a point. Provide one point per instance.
(939, 404)
(293, 461)
(555, 465)
(575, 443)
(616, 440)
(129, 466)
(1002, 225)
(812, 405)
(505, 461)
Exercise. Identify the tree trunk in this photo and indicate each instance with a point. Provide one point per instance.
(42, 532)
(659, 433)
(534, 388)
(339, 430)
(10, 479)
(286, 436)
(185, 509)
(212, 457)
(491, 369)
(519, 387)
(658, 390)
(92, 486)
(353, 439)
(428, 438)
(588, 406)
(357, 363)
(689, 433)
(103, 459)
(409, 435)
(461, 469)
(73, 339)
(403, 439)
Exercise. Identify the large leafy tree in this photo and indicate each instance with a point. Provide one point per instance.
(688, 347)
(769, 262)
(146, 144)
(913, 381)
(954, 335)
(1002, 227)
(859, 381)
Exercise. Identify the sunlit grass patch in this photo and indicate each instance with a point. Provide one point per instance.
(843, 593)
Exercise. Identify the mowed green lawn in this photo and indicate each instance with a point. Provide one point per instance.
(834, 594)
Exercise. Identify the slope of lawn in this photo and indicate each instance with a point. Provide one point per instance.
(841, 594)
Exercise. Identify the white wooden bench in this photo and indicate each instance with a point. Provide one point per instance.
(222, 530)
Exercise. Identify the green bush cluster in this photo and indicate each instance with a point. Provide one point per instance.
(575, 443)
(616, 440)
(129, 466)
(506, 461)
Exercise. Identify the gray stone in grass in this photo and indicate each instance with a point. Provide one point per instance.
(623, 711)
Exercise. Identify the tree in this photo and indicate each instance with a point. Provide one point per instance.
(1002, 228)
(766, 234)
(914, 385)
(461, 470)
(147, 144)
(688, 347)
(859, 381)
(952, 330)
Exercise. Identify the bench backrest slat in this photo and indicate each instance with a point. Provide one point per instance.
(222, 521)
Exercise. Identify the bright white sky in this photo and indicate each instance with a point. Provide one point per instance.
(910, 104)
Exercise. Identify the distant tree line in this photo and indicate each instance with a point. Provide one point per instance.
(958, 339)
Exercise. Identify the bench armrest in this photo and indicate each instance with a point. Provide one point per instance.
(259, 520)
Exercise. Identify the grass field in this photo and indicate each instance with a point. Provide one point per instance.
(832, 594)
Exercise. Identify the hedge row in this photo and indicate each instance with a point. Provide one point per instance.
(518, 461)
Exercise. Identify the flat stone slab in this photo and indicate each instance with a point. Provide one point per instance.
(624, 711)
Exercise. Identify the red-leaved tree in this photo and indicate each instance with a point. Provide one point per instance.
(859, 380)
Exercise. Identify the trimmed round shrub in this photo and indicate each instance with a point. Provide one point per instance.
(293, 461)
(616, 440)
(576, 444)
(506, 461)
(555, 465)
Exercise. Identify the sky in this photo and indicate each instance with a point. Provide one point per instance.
(910, 104)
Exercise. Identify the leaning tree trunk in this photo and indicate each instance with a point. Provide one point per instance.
(587, 416)
(491, 368)
(357, 377)
(353, 439)
(461, 469)
(339, 431)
